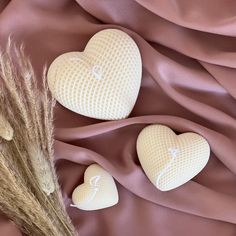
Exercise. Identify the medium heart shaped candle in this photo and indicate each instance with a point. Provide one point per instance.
(170, 160)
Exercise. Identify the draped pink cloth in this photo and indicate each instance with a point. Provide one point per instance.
(188, 50)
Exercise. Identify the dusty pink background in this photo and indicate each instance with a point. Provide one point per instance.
(189, 83)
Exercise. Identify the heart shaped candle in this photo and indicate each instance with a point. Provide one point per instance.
(170, 160)
(101, 82)
(98, 190)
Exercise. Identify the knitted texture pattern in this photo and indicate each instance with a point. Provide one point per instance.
(102, 82)
(170, 160)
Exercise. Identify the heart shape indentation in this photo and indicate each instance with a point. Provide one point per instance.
(98, 190)
(170, 160)
(101, 82)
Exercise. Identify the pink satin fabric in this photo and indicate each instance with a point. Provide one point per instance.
(188, 50)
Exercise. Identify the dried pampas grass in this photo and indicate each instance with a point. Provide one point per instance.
(29, 191)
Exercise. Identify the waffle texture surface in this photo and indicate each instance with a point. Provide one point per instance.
(170, 160)
(101, 82)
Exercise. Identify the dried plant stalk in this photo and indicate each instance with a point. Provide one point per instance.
(26, 160)
(21, 206)
(6, 131)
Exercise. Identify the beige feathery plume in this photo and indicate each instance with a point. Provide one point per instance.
(21, 206)
(6, 131)
(26, 162)
(24, 94)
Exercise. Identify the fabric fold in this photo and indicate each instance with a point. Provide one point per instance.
(188, 51)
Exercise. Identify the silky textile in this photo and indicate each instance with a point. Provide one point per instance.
(188, 51)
